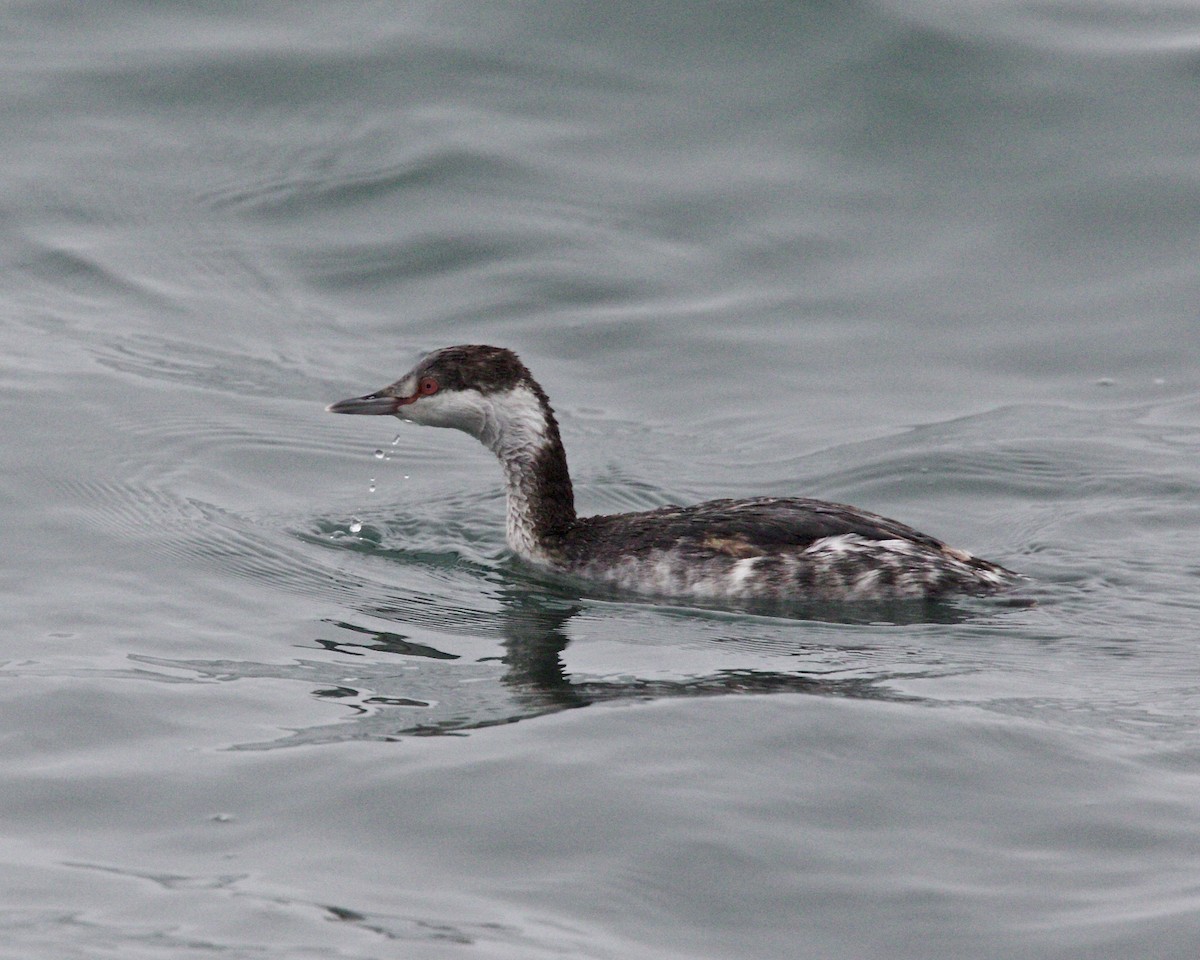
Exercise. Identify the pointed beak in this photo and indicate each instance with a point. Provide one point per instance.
(380, 404)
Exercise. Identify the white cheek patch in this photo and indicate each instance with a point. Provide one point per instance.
(509, 423)
(460, 409)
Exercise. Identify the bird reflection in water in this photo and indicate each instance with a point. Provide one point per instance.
(396, 687)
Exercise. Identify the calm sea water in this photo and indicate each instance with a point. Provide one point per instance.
(273, 688)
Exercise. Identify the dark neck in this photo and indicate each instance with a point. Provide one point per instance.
(546, 485)
(541, 501)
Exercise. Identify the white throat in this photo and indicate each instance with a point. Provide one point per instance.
(517, 432)
(514, 424)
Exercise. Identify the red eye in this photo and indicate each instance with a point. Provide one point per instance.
(427, 386)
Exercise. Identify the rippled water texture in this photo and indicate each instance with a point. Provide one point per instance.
(271, 685)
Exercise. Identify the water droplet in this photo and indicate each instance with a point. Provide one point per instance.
(371, 485)
(406, 476)
(395, 439)
(378, 454)
(356, 526)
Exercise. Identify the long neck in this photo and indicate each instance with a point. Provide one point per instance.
(541, 502)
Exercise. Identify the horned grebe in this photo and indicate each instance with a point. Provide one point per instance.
(787, 549)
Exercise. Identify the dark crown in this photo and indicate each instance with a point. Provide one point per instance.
(475, 366)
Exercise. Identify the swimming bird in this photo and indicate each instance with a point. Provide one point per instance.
(765, 548)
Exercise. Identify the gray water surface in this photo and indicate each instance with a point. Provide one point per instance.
(272, 686)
